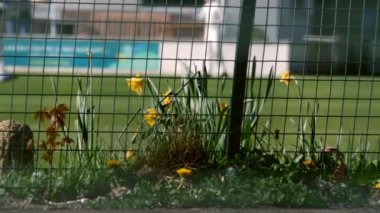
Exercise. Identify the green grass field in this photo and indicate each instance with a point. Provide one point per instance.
(347, 104)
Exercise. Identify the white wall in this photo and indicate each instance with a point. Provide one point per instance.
(267, 13)
(267, 56)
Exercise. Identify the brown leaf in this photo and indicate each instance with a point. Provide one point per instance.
(42, 115)
(42, 145)
(67, 140)
(52, 132)
(46, 156)
(60, 111)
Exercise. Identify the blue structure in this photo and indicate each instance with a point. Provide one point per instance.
(332, 36)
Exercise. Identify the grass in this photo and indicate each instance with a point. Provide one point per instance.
(203, 189)
(348, 105)
(347, 115)
(248, 190)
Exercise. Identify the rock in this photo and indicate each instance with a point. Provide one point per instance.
(148, 173)
(16, 150)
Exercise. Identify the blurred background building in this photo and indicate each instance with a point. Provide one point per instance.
(325, 36)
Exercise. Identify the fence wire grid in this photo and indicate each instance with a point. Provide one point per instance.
(109, 77)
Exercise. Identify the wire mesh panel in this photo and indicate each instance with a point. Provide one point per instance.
(141, 85)
(333, 54)
(326, 104)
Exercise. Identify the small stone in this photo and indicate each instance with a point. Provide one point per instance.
(148, 173)
(231, 172)
(16, 151)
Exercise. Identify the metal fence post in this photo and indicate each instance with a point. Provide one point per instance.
(239, 77)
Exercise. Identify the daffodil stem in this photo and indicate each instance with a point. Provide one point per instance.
(181, 183)
(129, 122)
(299, 118)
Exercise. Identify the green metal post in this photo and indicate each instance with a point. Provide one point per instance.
(239, 77)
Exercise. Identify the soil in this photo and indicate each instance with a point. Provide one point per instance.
(10, 204)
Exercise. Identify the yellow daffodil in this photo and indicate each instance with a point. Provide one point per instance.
(287, 78)
(113, 163)
(129, 154)
(308, 163)
(151, 117)
(167, 100)
(183, 172)
(136, 84)
(377, 186)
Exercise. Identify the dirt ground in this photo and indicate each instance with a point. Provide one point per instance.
(194, 210)
(10, 204)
